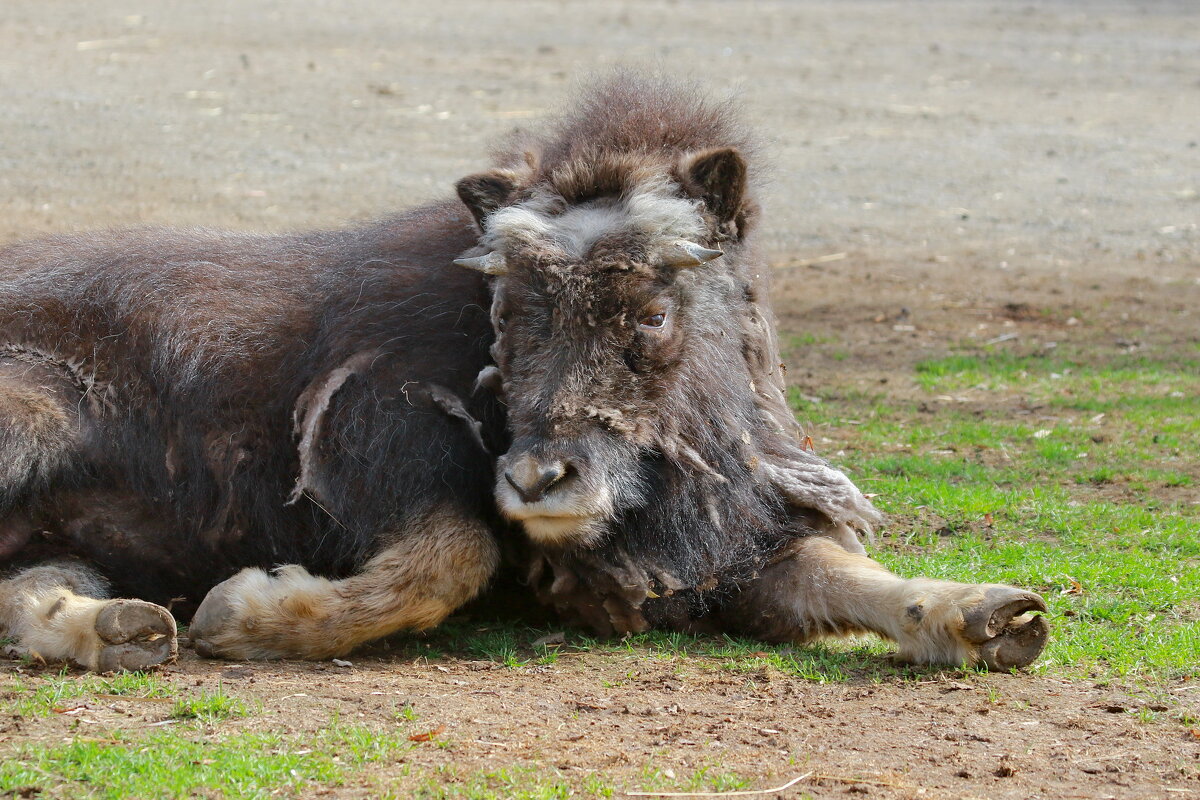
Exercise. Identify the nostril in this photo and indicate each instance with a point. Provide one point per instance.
(508, 476)
(551, 476)
(532, 480)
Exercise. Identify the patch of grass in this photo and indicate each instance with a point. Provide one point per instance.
(500, 645)
(704, 779)
(41, 696)
(1090, 376)
(209, 707)
(502, 641)
(170, 764)
(796, 341)
(709, 777)
(531, 783)
(518, 783)
(821, 662)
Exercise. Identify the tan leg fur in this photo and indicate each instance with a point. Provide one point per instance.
(822, 589)
(59, 612)
(435, 566)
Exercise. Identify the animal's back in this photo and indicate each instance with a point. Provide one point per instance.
(179, 358)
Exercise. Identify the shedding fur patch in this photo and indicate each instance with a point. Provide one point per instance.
(818, 486)
(452, 406)
(97, 392)
(310, 412)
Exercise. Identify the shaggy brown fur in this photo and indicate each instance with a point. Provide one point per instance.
(601, 399)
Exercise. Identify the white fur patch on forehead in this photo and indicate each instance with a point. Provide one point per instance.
(653, 209)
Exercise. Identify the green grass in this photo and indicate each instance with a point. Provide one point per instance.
(209, 707)
(1068, 477)
(259, 765)
(532, 783)
(58, 693)
(708, 778)
(170, 764)
(797, 341)
(518, 783)
(500, 645)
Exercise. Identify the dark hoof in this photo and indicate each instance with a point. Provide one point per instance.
(1017, 645)
(1006, 637)
(210, 620)
(1000, 604)
(137, 635)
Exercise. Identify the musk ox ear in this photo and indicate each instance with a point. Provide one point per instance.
(485, 192)
(718, 177)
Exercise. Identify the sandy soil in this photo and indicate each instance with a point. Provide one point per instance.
(961, 169)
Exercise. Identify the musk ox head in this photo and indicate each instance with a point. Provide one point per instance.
(611, 313)
(633, 345)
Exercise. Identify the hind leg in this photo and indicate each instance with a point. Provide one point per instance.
(438, 563)
(61, 612)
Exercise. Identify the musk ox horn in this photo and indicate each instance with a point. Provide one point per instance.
(489, 264)
(690, 254)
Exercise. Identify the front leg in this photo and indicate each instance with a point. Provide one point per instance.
(434, 566)
(821, 589)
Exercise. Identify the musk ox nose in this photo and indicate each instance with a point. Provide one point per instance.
(533, 478)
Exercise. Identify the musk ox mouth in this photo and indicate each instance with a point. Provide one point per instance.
(561, 496)
(561, 519)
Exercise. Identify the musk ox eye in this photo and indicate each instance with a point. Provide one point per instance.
(653, 320)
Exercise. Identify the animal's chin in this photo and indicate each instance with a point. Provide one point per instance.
(555, 527)
(562, 531)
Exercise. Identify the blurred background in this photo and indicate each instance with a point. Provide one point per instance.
(1025, 133)
(929, 163)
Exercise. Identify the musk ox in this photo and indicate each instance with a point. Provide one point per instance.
(568, 372)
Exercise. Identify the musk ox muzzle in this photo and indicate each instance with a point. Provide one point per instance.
(563, 492)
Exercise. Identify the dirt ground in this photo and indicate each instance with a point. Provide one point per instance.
(937, 736)
(938, 171)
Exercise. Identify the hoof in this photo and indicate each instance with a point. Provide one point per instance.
(211, 619)
(1017, 645)
(1005, 635)
(136, 635)
(217, 629)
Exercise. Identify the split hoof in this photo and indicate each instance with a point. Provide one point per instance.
(135, 635)
(1002, 628)
(1018, 645)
